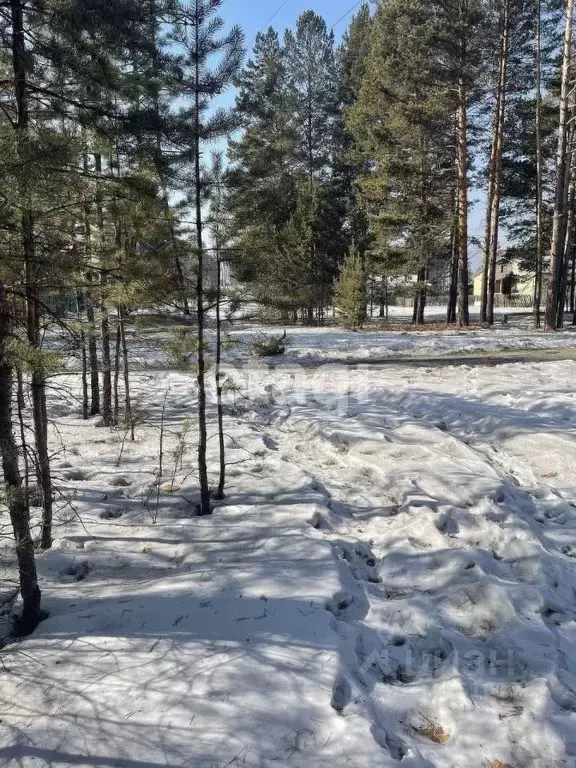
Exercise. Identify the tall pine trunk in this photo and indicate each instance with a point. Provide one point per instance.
(15, 494)
(494, 213)
(568, 255)
(538, 273)
(204, 508)
(92, 351)
(80, 303)
(128, 416)
(106, 358)
(451, 313)
(117, 355)
(463, 315)
(37, 379)
(562, 175)
(495, 174)
(22, 424)
(104, 316)
(418, 316)
(90, 316)
(218, 375)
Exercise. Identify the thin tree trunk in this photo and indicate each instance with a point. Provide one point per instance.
(80, 303)
(463, 316)
(204, 508)
(463, 313)
(568, 248)
(92, 354)
(218, 373)
(128, 417)
(106, 363)
(21, 404)
(539, 178)
(560, 200)
(104, 317)
(573, 285)
(37, 383)
(92, 340)
(455, 249)
(15, 495)
(489, 210)
(117, 352)
(421, 316)
(494, 212)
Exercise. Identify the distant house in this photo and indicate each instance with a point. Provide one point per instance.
(514, 286)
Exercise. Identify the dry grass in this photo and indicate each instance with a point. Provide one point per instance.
(393, 593)
(406, 327)
(431, 730)
(496, 764)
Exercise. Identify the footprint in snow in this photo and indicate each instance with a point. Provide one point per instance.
(341, 694)
(77, 475)
(120, 482)
(392, 744)
(111, 514)
(75, 572)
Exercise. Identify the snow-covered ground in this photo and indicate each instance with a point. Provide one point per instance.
(319, 345)
(390, 581)
(331, 343)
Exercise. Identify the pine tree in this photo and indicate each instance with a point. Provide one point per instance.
(350, 291)
(528, 157)
(401, 125)
(204, 82)
(313, 77)
(261, 184)
(513, 84)
(354, 53)
(353, 57)
(291, 103)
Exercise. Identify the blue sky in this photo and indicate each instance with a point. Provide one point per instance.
(256, 15)
(253, 15)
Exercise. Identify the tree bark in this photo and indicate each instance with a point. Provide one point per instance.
(218, 373)
(80, 303)
(463, 315)
(453, 289)
(117, 352)
(494, 212)
(15, 495)
(37, 381)
(568, 255)
(562, 173)
(106, 362)
(418, 316)
(538, 274)
(104, 317)
(90, 316)
(128, 417)
(204, 507)
(92, 353)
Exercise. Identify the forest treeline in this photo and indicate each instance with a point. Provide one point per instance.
(351, 167)
(375, 149)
